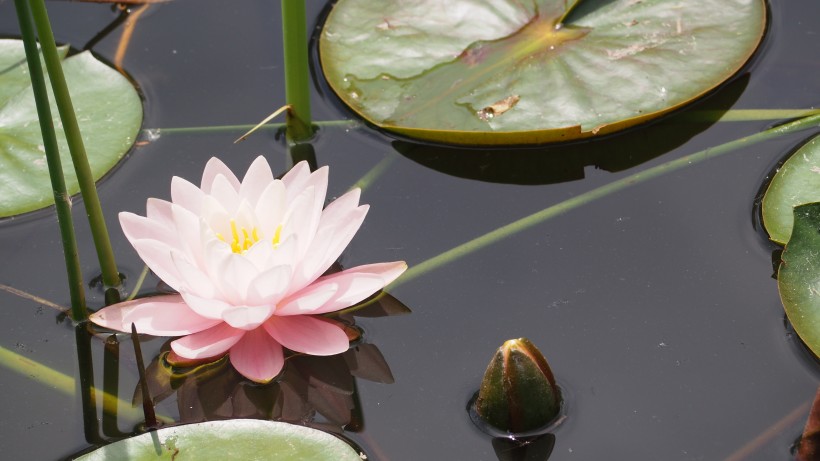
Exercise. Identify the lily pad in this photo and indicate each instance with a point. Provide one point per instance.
(108, 110)
(238, 439)
(795, 183)
(798, 278)
(525, 72)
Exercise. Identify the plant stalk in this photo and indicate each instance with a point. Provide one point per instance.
(297, 74)
(62, 201)
(560, 208)
(88, 188)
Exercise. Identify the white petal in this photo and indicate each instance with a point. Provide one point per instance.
(137, 227)
(307, 300)
(327, 246)
(159, 211)
(214, 168)
(157, 256)
(225, 193)
(270, 209)
(189, 233)
(192, 279)
(186, 195)
(269, 286)
(295, 179)
(206, 307)
(247, 317)
(257, 178)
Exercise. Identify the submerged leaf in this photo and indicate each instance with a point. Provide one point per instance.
(798, 278)
(109, 112)
(430, 69)
(795, 183)
(239, 439)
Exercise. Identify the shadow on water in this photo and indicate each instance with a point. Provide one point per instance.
(566, 162)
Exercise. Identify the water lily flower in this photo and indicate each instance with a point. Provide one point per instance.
(247, 258)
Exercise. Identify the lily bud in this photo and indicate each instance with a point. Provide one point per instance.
(518, 393)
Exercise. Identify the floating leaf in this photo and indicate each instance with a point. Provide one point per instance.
(108, 110)
(795, 183)
(568, 69)
(798, 278)
(238, 439)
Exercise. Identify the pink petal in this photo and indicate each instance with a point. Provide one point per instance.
(166, 315)
(247, 317)
(257, 178)
(212, 342)
(307, 300)
(214, 168)
(299, 219)
(352, 285)
(189, 232)
(302, 333)
(257, 356)
(186, 195)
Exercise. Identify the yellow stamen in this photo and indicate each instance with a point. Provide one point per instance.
(242, 239)
(277, 236)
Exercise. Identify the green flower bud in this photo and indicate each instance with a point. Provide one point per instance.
(518, 393)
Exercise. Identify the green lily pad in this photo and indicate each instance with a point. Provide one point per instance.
(795, 183)
(524, 72)
(108, 110)
(238, 439)
(798, 278)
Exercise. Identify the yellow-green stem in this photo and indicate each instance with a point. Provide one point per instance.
(590, 196)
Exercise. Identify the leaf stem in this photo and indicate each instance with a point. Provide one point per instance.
(297, 74)
(560, 208)
(102, 243)
(62, 201)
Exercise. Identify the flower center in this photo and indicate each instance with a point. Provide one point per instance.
(243, 239)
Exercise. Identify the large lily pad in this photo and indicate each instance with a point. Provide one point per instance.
(532, 71)
(795, 183)
(108, 110)
(239, 439)
(798, 278)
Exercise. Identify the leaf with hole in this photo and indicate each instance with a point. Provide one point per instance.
(525, 72)
(109, 112)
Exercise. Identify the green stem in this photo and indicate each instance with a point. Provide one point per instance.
(240, 128)
(590, 196)
(105, 253)
(62, 201)
(297, 74)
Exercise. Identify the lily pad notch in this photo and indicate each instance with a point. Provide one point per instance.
(109, 111)
(505, 72)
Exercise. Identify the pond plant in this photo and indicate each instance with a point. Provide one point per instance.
(250, 274)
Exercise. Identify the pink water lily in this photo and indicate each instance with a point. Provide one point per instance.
(248, 259)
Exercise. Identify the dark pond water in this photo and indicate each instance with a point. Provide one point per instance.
(655, 305)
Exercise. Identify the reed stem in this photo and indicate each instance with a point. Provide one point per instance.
(297, 74)
(88, 189)
(62, 201)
